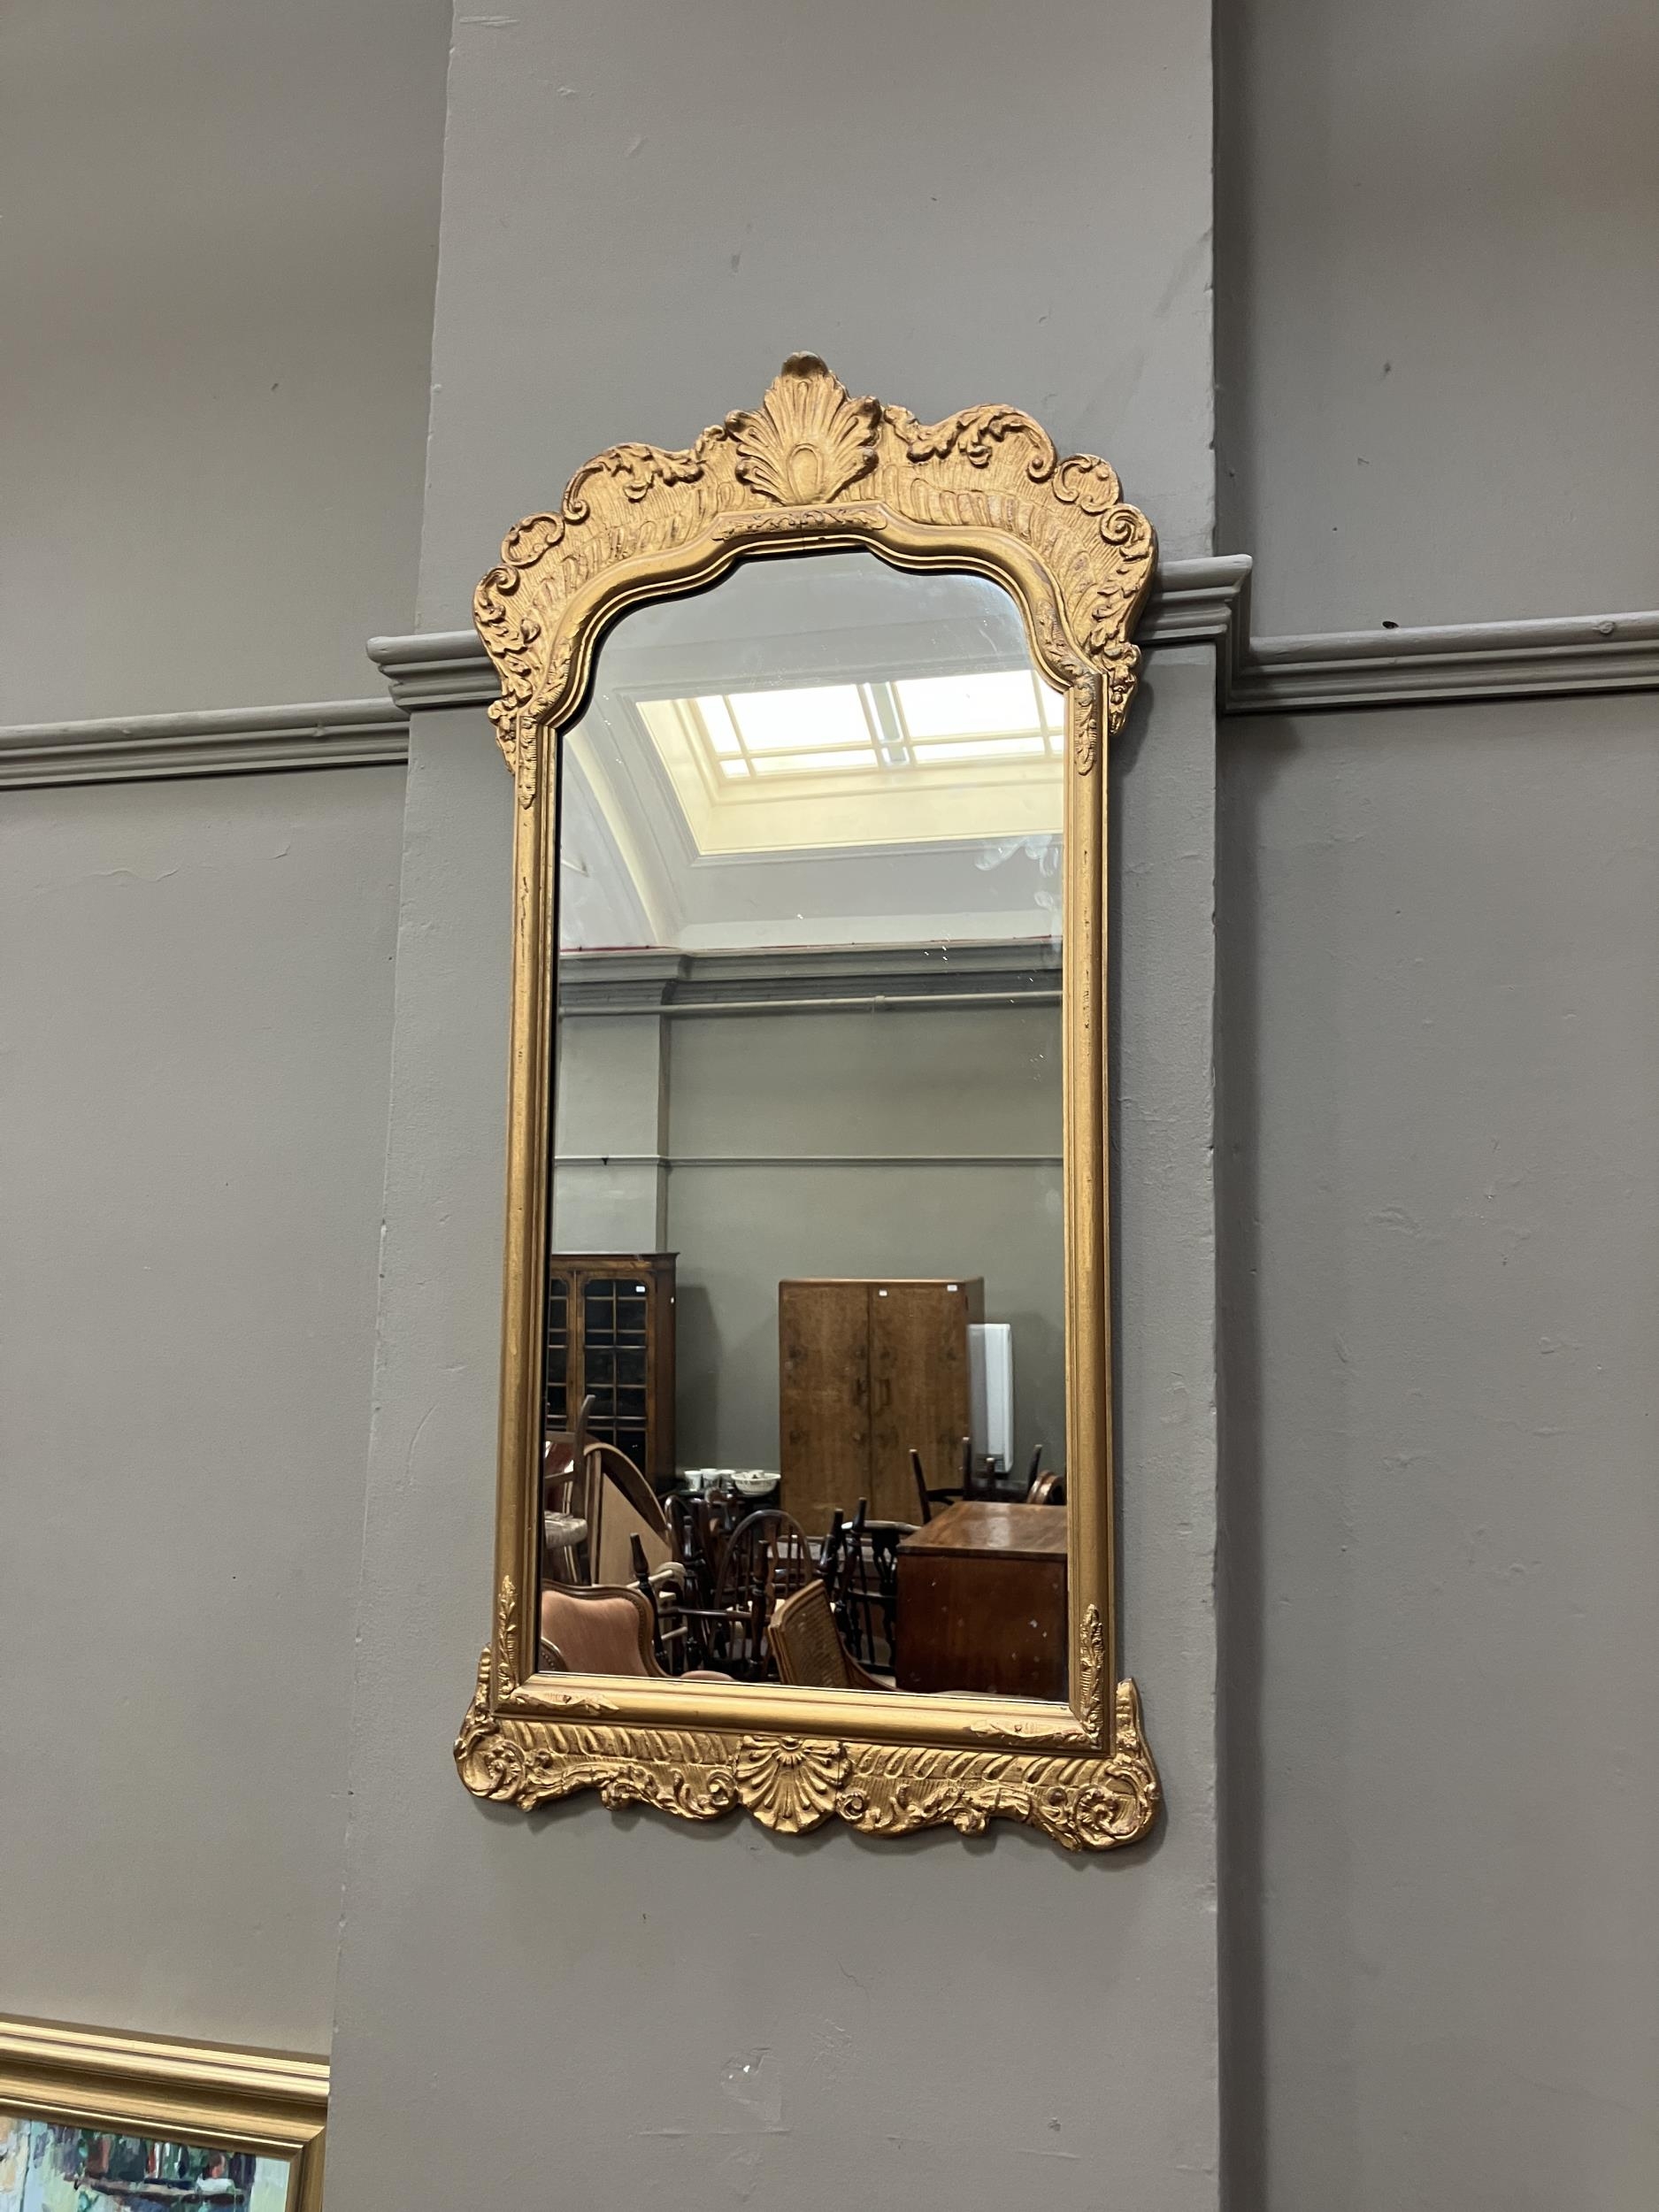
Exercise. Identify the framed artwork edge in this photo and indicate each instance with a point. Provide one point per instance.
(271, 2103)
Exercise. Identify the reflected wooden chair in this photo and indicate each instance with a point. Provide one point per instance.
(663, 1590)
(1048, 1489)
(806, 1645)
(696, 1546)
(604, 1631)
(767, 1560)
(927, 1498)
(700, 1538)
(860, 1569)
(596, 1632)
(563, 1519)
(883, 1539)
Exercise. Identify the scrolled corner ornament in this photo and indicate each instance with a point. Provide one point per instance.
(812, 463)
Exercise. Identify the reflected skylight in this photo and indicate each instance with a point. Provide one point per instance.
(903, 760)
(912, 724)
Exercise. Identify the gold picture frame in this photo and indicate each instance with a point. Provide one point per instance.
(272, 2104)
(812, 469)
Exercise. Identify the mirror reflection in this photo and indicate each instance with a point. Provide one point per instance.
(805, 1387)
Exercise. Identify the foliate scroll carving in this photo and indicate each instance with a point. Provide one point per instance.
(794, 1783)
(811, 460)
(1091, 1694)
(506, 1661)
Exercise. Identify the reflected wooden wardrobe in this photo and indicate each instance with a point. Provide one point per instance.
(869, 1370)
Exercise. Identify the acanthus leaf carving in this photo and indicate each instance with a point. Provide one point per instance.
(785, 466)
(975, 434)
(506, 1663)
(1091, 1664)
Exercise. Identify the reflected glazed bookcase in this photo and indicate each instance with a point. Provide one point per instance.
(610, 1337)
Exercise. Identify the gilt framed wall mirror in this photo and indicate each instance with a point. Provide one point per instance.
(805, 1494)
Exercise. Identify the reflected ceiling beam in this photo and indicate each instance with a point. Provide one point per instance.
(819, 980)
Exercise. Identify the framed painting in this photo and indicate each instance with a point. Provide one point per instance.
(94, 2121)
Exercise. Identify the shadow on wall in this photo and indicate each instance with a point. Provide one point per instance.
(1247, 767)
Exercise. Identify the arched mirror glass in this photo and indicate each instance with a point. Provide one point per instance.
(804, 1385)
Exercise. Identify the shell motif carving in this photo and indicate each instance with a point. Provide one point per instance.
(790, 1783)
(793, 1784)
(810, 459)
(807, 440)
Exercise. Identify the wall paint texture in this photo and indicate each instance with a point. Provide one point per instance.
(1439, 1056)
(630, 247)
(948, 213)
(195, 997)
(1436, 316)
(216, 259)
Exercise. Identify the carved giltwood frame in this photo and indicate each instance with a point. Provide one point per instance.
(812, 469)
(268, 2102)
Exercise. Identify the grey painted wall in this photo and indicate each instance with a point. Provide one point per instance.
(1440, 1106)
(196, 996)
(1437, 315)
(217, 256)
(979, 2021)
(647, 207)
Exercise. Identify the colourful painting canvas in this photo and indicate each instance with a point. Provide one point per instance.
(48, 2166)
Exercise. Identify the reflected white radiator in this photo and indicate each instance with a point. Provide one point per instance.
(991, 1392)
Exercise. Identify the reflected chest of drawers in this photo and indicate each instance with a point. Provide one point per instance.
(981, 1601)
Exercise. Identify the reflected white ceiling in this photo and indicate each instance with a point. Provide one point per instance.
(896, 800)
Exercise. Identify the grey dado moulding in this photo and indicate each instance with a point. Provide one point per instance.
(1193, 602)
(1207, 603)
(214, 741)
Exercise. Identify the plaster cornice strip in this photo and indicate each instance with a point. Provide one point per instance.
(215, 741)
(1207, 603)
(1461, 661)
(1192, 603)
(435, 668)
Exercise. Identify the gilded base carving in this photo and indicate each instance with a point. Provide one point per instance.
(793, 1783)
